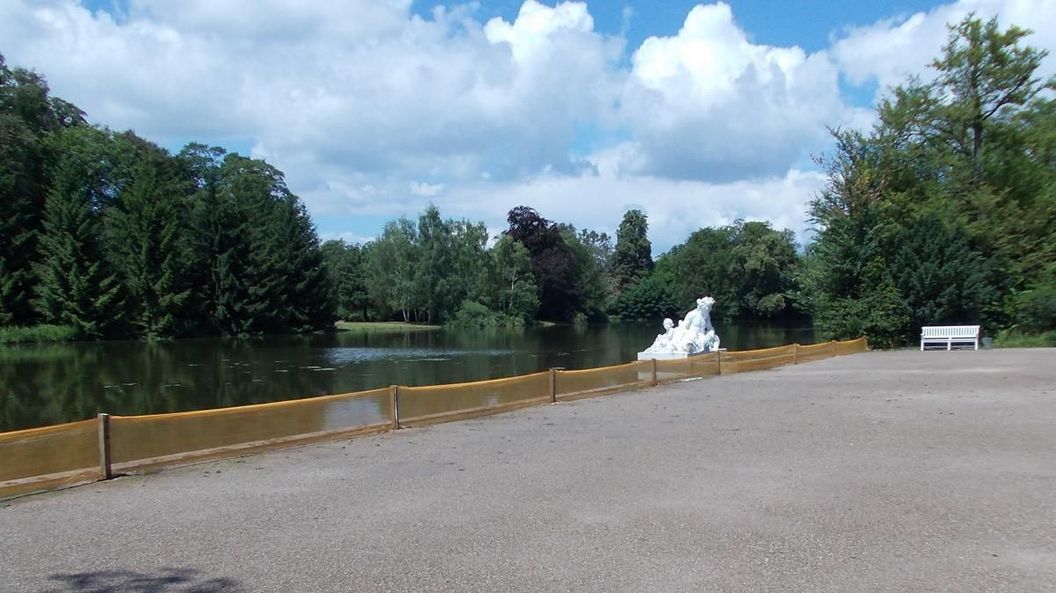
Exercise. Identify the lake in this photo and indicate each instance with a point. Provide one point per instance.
(43, 384)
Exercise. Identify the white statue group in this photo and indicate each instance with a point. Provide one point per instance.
(693, 335)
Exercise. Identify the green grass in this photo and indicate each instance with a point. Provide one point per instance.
(1014, 338)
(383, 326)
(37, 333)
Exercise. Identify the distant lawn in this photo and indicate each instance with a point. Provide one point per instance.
(37, 333)
(383, 326)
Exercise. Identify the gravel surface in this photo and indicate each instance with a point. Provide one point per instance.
(887, 471)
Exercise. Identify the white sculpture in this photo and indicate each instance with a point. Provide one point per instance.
(663, 341)
(693, 335)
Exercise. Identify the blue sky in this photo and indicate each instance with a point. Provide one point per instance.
(697, 113)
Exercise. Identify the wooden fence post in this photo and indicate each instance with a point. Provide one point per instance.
(795, 353)
(104, 446)
(655, 380)
(833, 348)
(553, 385)
(394, 398)
(718, 360)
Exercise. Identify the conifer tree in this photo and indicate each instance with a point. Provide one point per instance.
(148, 247)
(76, 288)
(305, 305)
(28, 116)
(19, 218)
(633, 257)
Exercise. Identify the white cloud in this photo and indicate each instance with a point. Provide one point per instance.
(709, 104)
(374, 111)
(355, 86)
(889, 51)
(427, 190)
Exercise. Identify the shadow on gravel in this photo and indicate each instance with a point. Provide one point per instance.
(166, 580)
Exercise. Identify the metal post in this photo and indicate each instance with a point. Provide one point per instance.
(394, 398)
(655, 381)
(104, 446)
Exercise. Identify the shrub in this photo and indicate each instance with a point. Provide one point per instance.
(475, 315)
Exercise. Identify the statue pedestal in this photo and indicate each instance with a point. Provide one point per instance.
(662, 355)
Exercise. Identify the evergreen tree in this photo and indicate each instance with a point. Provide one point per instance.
(633, 257)
(944, 279)
(305, 305)
(345, 266)
(76, 288)
(226, 248)
(146, 242)
(207, 236)
(28, 117)
(20, 209)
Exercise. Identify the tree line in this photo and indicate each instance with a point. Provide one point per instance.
(111, 235)
(449, 271)
(944, 212)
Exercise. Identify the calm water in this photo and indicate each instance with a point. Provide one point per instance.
(53, 383)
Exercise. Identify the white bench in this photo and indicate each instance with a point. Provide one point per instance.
(948, 335)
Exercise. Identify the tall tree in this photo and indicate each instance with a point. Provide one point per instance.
(147, 243)
(515, 292)
(764, 262)
(433, 286)
(953, 186)
(209, 233)
(28, 117)
(555, 266)
(304, 285)
(633, 257)
(469, 260)
(701, 266)
(76, 288)
(391, 267)
(345, 266)
(21, 191)
(985, 75)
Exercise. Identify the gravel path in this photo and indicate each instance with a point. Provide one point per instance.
(890, 471)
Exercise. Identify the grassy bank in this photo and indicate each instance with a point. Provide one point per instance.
(37, 333)
(1014, 338)
(383, 326)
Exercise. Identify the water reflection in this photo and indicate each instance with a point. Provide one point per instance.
(53, 383)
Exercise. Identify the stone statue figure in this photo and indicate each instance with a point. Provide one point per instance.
(693, 334)
(663, 341)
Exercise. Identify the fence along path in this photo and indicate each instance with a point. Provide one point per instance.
(79, 452)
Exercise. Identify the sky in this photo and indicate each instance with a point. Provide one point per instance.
(698, 114)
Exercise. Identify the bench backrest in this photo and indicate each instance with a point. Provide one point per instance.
(949, 331)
